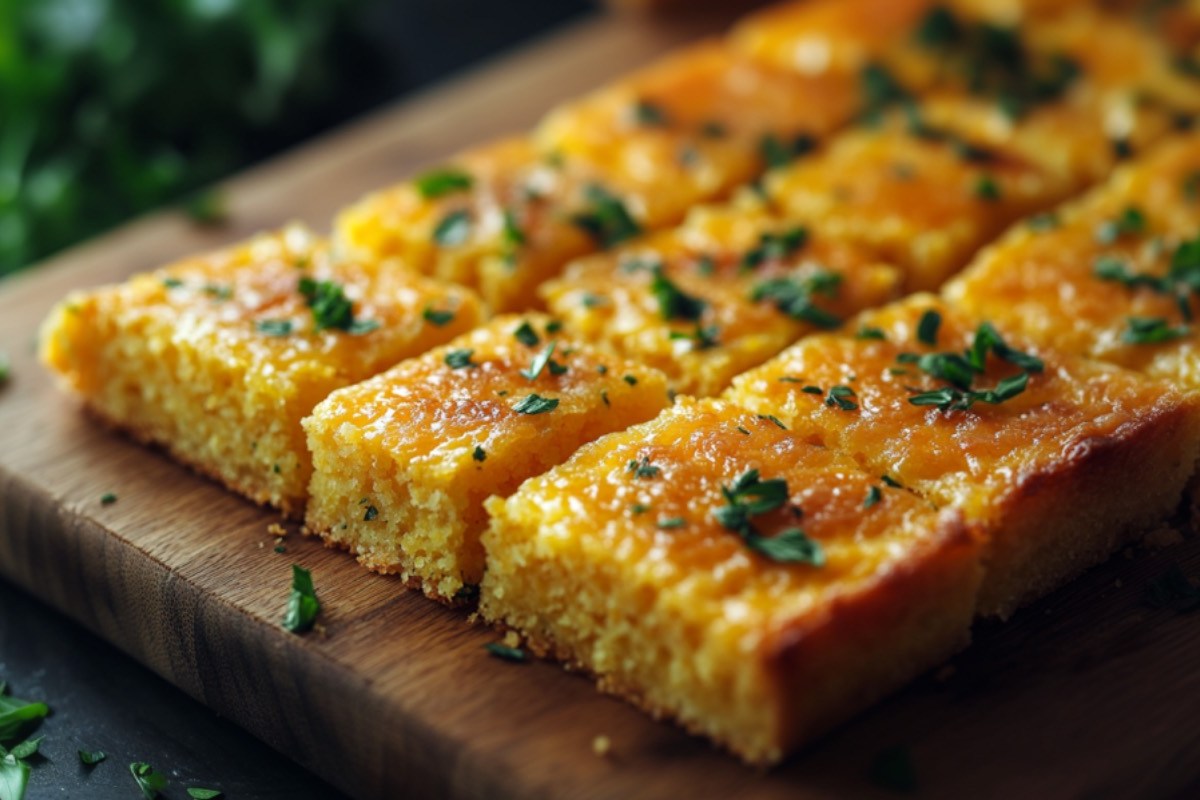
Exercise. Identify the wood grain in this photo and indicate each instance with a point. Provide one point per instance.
(1088, 694)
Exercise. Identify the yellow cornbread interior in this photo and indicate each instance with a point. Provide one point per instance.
(629, 576)
(177, 356)
(405, 460)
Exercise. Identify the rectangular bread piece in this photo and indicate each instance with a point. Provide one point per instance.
(405, 460)
(217, 358)
(1057, 459)
(713, 568)
(718, 295)
(1110, 276)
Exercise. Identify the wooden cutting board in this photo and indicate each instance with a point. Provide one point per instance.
(1090, 693)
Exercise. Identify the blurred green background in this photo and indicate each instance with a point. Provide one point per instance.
(112, 107)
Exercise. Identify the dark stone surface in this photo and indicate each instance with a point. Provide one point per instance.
(102, 700)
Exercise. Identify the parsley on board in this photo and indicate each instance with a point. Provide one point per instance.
(535, 404)
(453, 229)
(439, 182)
(303, 605)
(198, 793)
(606, 220)
(506, 653)
(108, 498)
(150, 781)
(90, 758)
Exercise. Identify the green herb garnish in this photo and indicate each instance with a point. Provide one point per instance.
(439, 318)
(774, 420)
(453, 229)
(539, 363)
(778, 153)
(927, 327)
(274, 327)
(108, 498)
(90, 758)
(703, 337)
(480, 454)
(670, 523)
(794, 296)
(198, 793)
(439, 182)
(1130, 222)
(534, 404)
(1040, 223)
(607, 221)
(148, 780)
(631, 380)
(526, 335)
(370, 514)
(460, 359)
(331, 308)
(953, 398)
(867, 332)
(839, 396)
(673, 302)
(643, 468)
(506, 653)
(750, 496)
(650, 115)
(775, 245)
(1152, 330)
(987, 189)
(874, 495)
(303, 605)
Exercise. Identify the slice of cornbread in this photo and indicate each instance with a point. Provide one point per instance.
(915, 201)
(1113, 276)
(218, 357)
(1038, 448)
(500, 219)
(405, 460)
(697, 123)
(714, 568)
(718, 295)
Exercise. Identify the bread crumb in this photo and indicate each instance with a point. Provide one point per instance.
(275, 529)
(601, 746)
(320, 630)
(512, 639)
(261, 545)
(1162, 537)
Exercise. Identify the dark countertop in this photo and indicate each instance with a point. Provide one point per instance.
(102, 700)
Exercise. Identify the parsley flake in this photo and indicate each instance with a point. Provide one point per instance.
(90, 758)
(779, 153)
(775, 246)
(670, 523)
(927, 327)
(303, 605)
(772, 418)
(526, 335)
(453, 229)
(750, 496)
(703, 337)
(673, 302)
(839, 396)
(506, 653)
(952, 398)
(370, 514)
(643, 468)
(1130, 222)
(1152, 330)
(439, 182)
(274, 327)
(148, 780)
(331, 308)
(631, 380)
(874, 495)
(539, 363)
(439, 318)
(987, 189)
(794, 296)
(108, 498)
(535, 404)
(868, 332)
(460, 359)
(650, 115)
(890, 481)
(607, 220)
(480, 454)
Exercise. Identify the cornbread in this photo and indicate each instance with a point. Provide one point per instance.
(218, 357)
(1044, 470)
(1077, 280)
(404, 461)
(718, 295)
(622, 562)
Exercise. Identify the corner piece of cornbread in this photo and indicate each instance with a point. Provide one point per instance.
(720, 294)
(1058, 467)
(404, 461)
(1112, 276)
(218, 357)
(623, 562)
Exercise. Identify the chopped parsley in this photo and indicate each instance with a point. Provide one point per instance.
(794, 296)
(303, 605)
(172, 283)
(775, 246)
(643, 468)
(1130, 222)
(987, 189)
(742, 431)
(460, 359)
(751, 496)
(952, 398)
(90, 758)
(331, 308)
(370, 514)
(506, 653)
(773, 420)
(890, 481)
(17, 715)
(480, 454)
(217, 291)
(148, 779)
(1040, 223)
(632, 381)
(1152, 330)
(779, 153)
(607, 220)
(274, 327)
(198, 793)
(703, 337)
(867, 332)
(880, 90)
(453, 229)
(650, 115)
(540, 362)
(108, 498)
(927, 327)
(526, 335)
(817, 390)
(439, 318)
(673, 302)
(535, 404)
(874, 495)
(670, 523)
(512, 236)
(439, 182)
(839, 396)
(638, 508)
